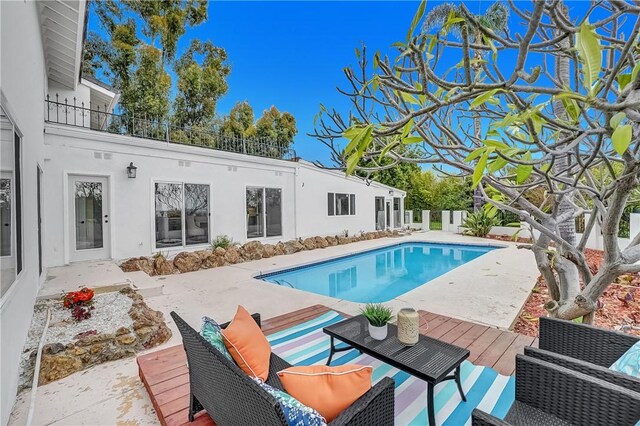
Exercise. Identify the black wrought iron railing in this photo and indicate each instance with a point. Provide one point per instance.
(72, 113)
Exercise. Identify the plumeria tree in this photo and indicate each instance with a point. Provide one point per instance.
(557, 98)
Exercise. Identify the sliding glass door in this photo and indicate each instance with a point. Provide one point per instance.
(181, 214)
(264, 212)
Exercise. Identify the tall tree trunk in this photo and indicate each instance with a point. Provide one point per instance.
(477, 123)
(568, 276)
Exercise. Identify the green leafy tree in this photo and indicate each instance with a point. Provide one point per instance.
(275, 129)
(239, 122)
(165, 21)
(137, 67)
(546, 128)
(200, 85)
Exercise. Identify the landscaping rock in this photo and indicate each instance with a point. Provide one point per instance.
(56, 367)
(138, 264)
(309, 243)
(321, 242)
(268, 250)
(333, 241)
(279, 248)
(213, 261)
(344, 240)
(252, 250)
(203, 254)
(187, 262)
(232, 256)
(163, 266)
(293, 246)
(219, 251)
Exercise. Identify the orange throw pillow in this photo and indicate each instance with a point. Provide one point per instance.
(328, 390)
(247, 345)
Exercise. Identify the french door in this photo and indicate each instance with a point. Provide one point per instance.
(89, 219)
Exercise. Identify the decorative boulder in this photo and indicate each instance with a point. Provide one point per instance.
(268, 250)
(309, 244)
(142, 263)
(163, 266)
(213, 261)
(202, 254)
(279, 248)
(252, 250)
(343, 240)
(187, 262)
(219, 251)
(232, 256)
(293, 246)
(333, 241)
(321, 242)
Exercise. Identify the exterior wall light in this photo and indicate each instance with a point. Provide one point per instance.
(131, 170)
(391, 192)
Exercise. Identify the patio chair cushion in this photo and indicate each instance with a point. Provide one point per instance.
(212, 333)
(295, 412)
(629, 362)
(247, 344)
(329, 390)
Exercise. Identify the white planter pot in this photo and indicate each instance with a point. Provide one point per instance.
(378, 333)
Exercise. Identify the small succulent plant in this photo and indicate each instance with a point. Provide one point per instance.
(377, 314)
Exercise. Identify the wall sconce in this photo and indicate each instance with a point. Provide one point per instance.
(131, 170)
(391, 193)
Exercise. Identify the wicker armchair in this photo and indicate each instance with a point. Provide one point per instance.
(580, 347)
(548, 394)
(233, 398)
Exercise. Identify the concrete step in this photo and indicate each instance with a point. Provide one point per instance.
(144, 284)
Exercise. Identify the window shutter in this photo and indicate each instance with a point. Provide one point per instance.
(331, 203)
(352, 204)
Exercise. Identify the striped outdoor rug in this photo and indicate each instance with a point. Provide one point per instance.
(306, 344)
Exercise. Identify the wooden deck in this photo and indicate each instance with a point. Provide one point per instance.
(165, 376)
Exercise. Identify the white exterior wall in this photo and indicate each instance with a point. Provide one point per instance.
(23, 88)
(72, 151)
(315, 184)
(57, 113)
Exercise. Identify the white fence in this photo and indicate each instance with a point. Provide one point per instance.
(452, 222)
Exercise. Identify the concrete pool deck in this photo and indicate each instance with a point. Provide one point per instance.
(490, 290)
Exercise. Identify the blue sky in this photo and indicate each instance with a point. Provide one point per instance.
(291, 54)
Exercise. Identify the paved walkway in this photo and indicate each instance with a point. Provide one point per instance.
(489, 290)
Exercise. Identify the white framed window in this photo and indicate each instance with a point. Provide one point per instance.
(10, 202)
(339, 204)
(182, 212)
(264, 212)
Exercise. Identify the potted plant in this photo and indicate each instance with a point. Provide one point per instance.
(378, 316)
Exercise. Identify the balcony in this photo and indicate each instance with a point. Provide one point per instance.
(71, 113)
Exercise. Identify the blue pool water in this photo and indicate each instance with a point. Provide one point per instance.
(378, 275)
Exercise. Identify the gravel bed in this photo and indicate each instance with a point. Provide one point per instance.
(111, 312)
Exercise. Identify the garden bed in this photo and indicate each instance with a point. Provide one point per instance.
(120, 325)
(620, 303)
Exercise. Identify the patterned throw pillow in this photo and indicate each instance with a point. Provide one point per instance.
(211, 332)
(629, 362)
(296, 413)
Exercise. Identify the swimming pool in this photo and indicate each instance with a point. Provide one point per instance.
(378, 275)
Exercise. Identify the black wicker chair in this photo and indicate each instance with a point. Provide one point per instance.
(233, 398)
(580, 347)
(548, 394)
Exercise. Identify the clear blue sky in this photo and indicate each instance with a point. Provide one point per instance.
(291, 54)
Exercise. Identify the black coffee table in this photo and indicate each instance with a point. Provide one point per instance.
(430, 359)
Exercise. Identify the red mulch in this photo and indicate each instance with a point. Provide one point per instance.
(620, 303)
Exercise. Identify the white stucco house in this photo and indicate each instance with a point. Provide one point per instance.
(76, 186)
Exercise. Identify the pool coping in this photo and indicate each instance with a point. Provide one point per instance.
(261, 275)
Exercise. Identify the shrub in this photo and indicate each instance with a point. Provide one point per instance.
(377, 314)
(479, 224)
(223, 241)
